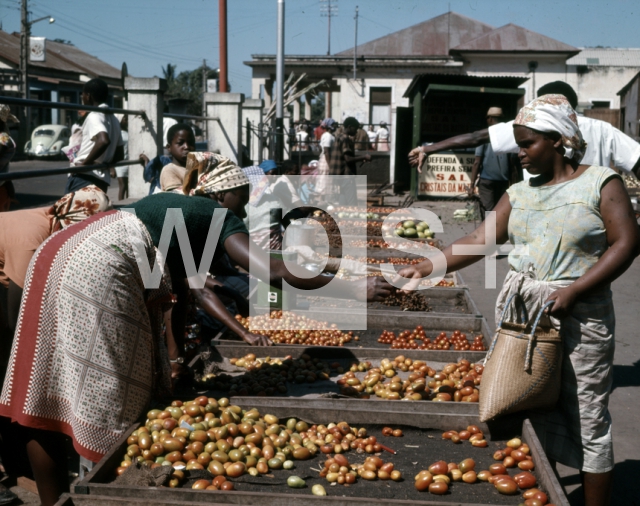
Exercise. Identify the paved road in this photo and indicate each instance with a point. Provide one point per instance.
(42, 191)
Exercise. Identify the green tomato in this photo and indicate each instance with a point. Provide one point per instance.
(408, 224)
(399, 232)
(296, 482)
(421, 235)
(410, 232)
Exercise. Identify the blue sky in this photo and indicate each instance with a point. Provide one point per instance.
(147, 34)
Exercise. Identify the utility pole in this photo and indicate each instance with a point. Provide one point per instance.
(355, 47)
(204, 86)
(25, 113)
(223, 77)
(279, 155)
(328, 9)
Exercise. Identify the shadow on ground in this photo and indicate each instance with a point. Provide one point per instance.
(625, 488)
(626, 376)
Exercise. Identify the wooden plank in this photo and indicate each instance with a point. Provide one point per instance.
(424, 415)
(174, 495)
(98, 500)
(547, 477)
(27, 484)
(108, 463)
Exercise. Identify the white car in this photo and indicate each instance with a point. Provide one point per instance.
(47, 141)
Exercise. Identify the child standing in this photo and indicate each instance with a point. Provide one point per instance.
(166, 173)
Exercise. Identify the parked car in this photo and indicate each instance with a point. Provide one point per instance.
(47, 141)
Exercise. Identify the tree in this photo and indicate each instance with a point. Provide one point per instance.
(317, 107)
(187, 85)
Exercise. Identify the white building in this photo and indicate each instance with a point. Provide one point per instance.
(459, 55)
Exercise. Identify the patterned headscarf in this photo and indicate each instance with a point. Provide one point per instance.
(77, 206)
(553, 113)
(215, 173)
(259, 183)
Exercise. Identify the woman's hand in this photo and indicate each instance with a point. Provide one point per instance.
(415, 274)
(564, 299)
(256, 339)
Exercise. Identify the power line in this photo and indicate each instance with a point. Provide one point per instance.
(329, 9)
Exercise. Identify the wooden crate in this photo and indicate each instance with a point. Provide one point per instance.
(320, 389)
(432, 323)
(97, 484)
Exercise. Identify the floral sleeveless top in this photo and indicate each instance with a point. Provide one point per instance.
(560, 224)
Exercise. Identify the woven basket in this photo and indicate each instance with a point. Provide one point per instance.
(522, 369)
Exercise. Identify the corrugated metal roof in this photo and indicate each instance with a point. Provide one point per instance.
(514, 38)
(433, 37)
(60, 57)
(626, 87)
(607, 57)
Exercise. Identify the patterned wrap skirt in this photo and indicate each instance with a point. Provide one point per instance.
(577, 433)
(88, 351)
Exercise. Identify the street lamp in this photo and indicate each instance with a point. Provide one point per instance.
(25, 33)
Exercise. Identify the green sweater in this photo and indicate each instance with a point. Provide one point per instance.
(197, 212)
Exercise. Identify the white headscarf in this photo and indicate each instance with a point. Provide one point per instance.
(553, 113)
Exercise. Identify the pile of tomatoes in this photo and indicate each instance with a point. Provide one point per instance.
(284, 327)
(417, 340)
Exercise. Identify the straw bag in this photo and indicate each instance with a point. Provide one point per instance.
(522, 368)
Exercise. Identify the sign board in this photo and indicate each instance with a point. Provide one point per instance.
(445, 174)
(38, 49)
(212, 85)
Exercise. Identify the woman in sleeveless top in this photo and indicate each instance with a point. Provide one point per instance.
(574, 231)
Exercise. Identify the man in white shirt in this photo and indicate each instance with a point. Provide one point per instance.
(101, 140)
(605, 143)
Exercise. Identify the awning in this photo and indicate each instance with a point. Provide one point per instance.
(474, 89)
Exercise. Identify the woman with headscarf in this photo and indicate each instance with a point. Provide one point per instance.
(578, 225)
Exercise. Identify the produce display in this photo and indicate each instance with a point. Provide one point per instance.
(390, 260)
(213, 445)
(409, 340)
(455, 382)
(380, 243)
(268, 376)
(439, 476)
(414, 230)
(271, 326)
(408, 301)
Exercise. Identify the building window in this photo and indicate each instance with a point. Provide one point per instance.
(601, 104)
(380, 105)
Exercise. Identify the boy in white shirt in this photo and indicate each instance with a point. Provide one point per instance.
(101, 140)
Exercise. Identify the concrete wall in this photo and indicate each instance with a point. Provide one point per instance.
(225, 133)
(600, 83)
(145, 133)
(630, 101)
(550, 68)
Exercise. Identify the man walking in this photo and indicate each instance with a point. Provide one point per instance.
(342, 161)
(101, 140)
(494, 169)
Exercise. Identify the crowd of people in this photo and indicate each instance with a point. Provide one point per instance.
(85, 344)
(303, 137)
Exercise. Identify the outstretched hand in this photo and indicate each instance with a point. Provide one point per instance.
(412, 273)
(257, 339)
(375, 288)
(417, 157)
